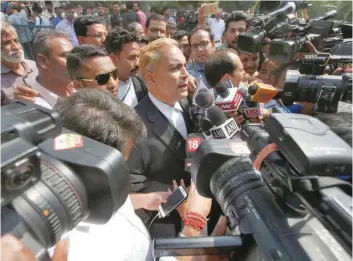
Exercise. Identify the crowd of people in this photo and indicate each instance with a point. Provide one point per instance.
(129, 81)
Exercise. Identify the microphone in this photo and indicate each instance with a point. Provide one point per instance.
(229, 99)
(193, 141)
(263, 93)
(252, 109)
(205, 126)
(204, 99)
(224, 128)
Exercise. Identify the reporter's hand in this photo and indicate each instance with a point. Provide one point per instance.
(182, 208)
(192, 84)
(198, 203)
(25, 93)
(12, 249)
(239, 118)
(340, 71)
(154, 199)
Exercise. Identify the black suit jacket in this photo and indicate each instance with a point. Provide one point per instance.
(154, 162)
(140, 87)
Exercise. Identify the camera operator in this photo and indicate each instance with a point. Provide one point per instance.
(235, 24)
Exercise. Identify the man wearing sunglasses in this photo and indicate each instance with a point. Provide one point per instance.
(124, 50)
(90, 30)
(90, 66)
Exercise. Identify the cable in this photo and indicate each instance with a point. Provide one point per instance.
(152, 221)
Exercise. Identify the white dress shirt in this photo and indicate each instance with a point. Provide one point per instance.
(217, 28)
(127, 94)
(173, 114)
(123, 238)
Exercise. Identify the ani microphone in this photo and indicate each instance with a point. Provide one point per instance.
(224, 128)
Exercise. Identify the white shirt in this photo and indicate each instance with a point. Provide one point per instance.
(127, 94)
(123, 238)
(173, 114)
(217, 28)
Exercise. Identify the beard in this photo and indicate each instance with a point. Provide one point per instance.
(13, 57)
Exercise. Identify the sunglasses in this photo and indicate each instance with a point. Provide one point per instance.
(103, 78)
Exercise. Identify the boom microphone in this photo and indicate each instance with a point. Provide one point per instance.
(229, 99)
(223, 128)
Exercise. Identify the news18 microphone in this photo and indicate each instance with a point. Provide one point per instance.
(229, 99)
(224, 128)
(193, 141)
(263, 93)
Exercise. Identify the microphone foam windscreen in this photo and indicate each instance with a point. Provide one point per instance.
(216, 116)
(204, 100)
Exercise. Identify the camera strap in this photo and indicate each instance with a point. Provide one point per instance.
(262, 155)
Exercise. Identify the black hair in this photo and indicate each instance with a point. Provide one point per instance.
(142, 39)
(69, 6)
(235, 17)
(201, 28)
(117, 38)
(116, 20)
(178, 35)
(132, 26)
(37, 9)
(219, 64)
(98, 115)
(155, 17)
(81, 23)
(41, 45)
(78, 54)
(129, 5)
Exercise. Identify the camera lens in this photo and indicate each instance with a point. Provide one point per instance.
(308, 88)
(55, 205)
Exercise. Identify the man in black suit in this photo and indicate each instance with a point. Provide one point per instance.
(124, 50)
(154, 163)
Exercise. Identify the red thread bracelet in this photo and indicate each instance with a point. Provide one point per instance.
(194, 220)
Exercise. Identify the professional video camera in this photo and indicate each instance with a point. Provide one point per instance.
(268, 25)
(48, 185)
(283, 50)
(325, 90)
(290, 202)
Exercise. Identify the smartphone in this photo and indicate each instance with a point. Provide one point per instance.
(174, 200)
(210, 9)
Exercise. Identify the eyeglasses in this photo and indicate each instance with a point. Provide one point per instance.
(203, 45)
(102, 79)
(98, 36)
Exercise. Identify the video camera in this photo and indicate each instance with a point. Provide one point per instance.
(269, 25)
(52, 178)
(325, 90)
(283, 50)
(290, 202)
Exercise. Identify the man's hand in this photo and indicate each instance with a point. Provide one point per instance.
(239, 118)
(25, 93)
(198, 203)
(192, 84)
(12, 249)
(154, 199)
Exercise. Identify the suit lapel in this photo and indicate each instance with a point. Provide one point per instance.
(185, 105)
(165, 131)
(140, 92)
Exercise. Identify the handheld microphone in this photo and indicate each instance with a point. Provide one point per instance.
(229, 99)
(205, 126)
(252, 109)
(223, 128)
(263, 93)
(204, 99)
(193, 141)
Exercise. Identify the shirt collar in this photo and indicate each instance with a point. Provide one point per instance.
(163, 106)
